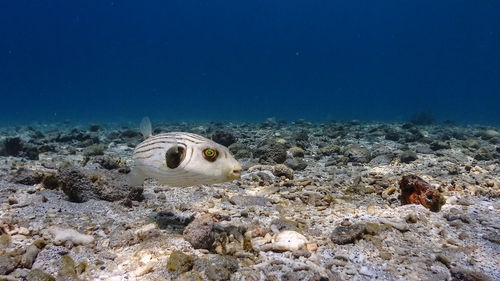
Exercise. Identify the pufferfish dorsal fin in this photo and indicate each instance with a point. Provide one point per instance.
(146, 128)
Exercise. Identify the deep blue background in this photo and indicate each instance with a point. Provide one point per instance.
(248, 60)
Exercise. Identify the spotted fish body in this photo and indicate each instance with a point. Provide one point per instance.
(182, 159)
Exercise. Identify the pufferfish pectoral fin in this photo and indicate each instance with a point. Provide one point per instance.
(146, 128)
(135, 177)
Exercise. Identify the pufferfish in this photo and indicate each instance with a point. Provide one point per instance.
(181, 159)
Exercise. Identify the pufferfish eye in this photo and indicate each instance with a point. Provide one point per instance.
(210, 154)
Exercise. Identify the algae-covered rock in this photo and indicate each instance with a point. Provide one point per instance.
(217, 267)
(81, 186)
(179, 262)
(191, 276)
(67, 271)
(7, 264)
(271, 152)
(282, 170)
(29, 256)
(297, 152)
(94, 150)
(240, 150)
(39, 275)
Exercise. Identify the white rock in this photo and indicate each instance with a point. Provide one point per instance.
(62, 235)
(365, 271)
(288, 241)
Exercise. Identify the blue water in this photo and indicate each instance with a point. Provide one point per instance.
(248, 60)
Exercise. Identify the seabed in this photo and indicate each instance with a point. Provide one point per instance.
(315, 202)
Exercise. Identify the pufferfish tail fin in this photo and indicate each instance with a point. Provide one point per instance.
(135, 177)
(146, 128)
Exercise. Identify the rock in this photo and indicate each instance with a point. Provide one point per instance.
(288, 241)
(12, 147)
(443, 259)
(225, 138)
(130, 134)
(217, 267)
(271, 152)
(357, 154)
(94, 150)
(7, 264)
(297, 152)
(492, 236)
(39, 275)
(67, 270)
(330, 150)
(484, 154)
(108, 163)
(81, 186)
(26, 176)
(50, 181)
(283, 224)
(147, 232)
(347, 234)
(301, 253)
(191, 276)
(384, 159)
(411, 218)
(437, 145)
(240, 150)
(259, 176)
(200, 233)
(488, 134)
(245, 201)
(77, 186)
(301, 139)
(30, 151)
(462, 274)
(423, 149)
(365, 271)
(12, 200)
(165, 218)
(296, 164)
(408, 156)
(29, 256)
(282, 170)
(180, 262)
(415, 190)
(372, 228)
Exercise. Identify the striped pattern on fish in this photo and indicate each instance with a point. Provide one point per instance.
(181, 159)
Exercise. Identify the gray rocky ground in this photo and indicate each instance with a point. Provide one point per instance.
(315, 202)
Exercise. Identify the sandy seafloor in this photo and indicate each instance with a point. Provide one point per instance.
(67, 213)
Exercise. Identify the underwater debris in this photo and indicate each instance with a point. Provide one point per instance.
(414, 190)
(61, 235)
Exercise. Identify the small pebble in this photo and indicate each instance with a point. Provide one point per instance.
(12, 201)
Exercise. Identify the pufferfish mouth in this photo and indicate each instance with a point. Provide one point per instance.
(235, 173)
